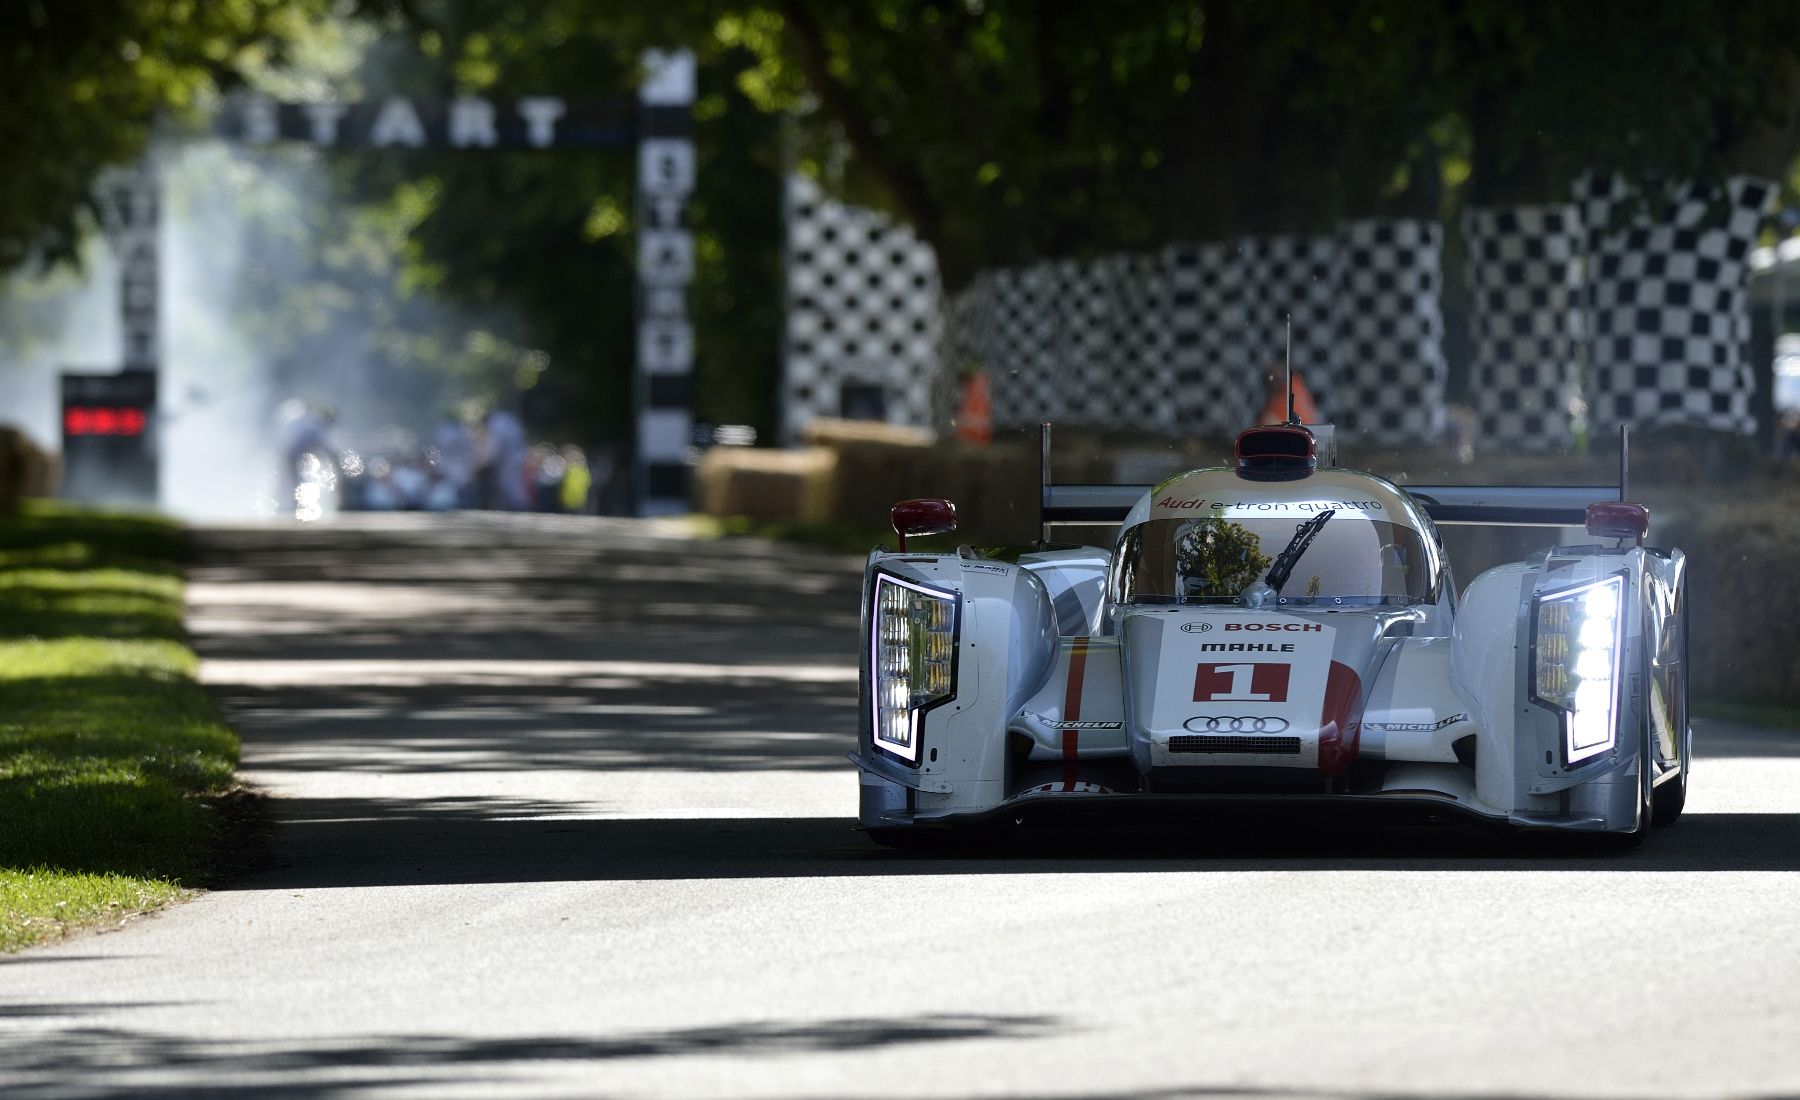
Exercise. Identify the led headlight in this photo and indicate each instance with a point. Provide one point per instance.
(912, 660)
(1577, 640)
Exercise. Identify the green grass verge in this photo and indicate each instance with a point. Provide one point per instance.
(44, 904)
(108, 746)
(1778, 716)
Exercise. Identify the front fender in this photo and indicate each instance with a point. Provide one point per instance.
(1005, 648)
(1520, 763)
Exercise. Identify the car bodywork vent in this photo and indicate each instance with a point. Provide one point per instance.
(1211, 742)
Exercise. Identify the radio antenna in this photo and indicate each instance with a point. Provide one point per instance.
(1288, 357)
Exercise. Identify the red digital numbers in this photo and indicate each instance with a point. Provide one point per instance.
(103, 420)
(1248, 682)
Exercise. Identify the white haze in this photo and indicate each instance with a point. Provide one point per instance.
(219, 456)
(217, 397)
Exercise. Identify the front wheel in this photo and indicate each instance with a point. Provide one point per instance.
(910, 839)
(1646, 810)
(969, 838)
(1671, 798)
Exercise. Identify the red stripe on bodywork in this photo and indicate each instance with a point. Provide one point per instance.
(1340, 719)
(1071, 712)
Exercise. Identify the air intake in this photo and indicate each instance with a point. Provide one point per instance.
(1261, 746)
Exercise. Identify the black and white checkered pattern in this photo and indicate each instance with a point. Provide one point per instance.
(1129, 376)
(1072, 341)
(1082, 332)
(1294, 277)
(863, 307)
(1216, 390)
(1181, 342)
(1525, 318)
(1668, 303)
(1389, 384)
(1015, 331)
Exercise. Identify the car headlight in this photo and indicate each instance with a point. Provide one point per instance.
(912, 660)
(1577, 639)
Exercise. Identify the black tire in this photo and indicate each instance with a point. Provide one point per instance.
(1631, 838)
(905, 839)
(1671, 798)
(942, 839)
(914, 838)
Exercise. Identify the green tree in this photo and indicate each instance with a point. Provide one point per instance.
(542, 242)
(1679, 89)
(84, 81)
(1217, 559)
(1007, 131)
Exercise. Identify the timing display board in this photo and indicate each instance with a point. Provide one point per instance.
(109, 437)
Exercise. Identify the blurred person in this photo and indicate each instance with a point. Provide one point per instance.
(442, 495)
(547, 474)
(455, 445)
(534, 454)
(1787, 435)
(500, 462)
(577, 481)
(606, 464)
(1460, 424)
(411, 479)
(300, 431)
(379, 494)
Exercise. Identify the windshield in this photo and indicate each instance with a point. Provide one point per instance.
(1351, 561)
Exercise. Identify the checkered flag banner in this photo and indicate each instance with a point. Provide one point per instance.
(1389, 385)
(1180, 342)
(863, 310)
(1668, 302)
(1077, 342)
(1525, 318)
(1013, 334)
(1121, 345)
(1216, 390)
(1286, 277)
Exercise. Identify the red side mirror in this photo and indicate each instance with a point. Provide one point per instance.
(927, 516)
(1618, 519)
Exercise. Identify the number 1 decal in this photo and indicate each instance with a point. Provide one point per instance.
(1253, 682)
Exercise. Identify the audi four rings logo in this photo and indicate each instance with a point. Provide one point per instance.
(1195, 628)
(1213, 723)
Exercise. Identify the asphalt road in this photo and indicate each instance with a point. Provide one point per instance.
(563, 811)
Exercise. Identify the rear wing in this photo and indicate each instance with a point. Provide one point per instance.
(1501, 505)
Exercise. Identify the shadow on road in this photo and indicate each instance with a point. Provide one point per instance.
(587, 724)
(164, 1064)
(487, 586)
(364, 843)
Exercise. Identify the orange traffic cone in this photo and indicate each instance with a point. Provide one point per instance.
(1276, 410)
(975, 417)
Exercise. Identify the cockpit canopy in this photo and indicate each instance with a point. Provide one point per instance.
(1194, 546)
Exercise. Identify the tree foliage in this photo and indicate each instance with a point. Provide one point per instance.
(1218, 558)
(542, 242)
(1009, 130)
(84, 81)
(1005, 131)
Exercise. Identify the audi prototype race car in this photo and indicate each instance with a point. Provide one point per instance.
(1278, 629)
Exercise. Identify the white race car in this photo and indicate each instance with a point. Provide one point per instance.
(1277, 630)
